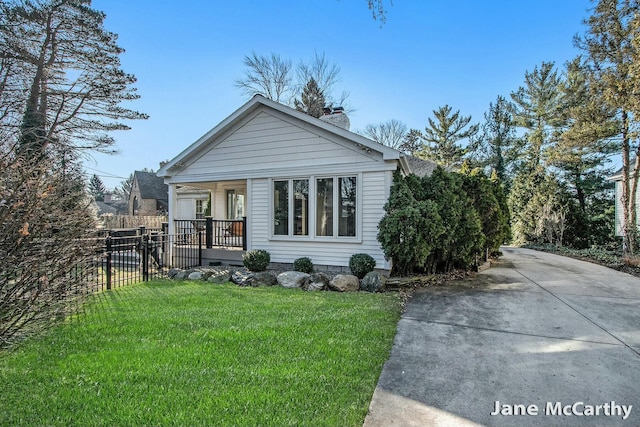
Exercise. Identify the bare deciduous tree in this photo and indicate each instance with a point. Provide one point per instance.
(269, 76)
(390, 133)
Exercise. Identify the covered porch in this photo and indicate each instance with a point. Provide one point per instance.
(212, 217)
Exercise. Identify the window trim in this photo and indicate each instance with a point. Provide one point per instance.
(312, 236)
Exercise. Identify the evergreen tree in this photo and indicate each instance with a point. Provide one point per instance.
(497, 146)
(97, 188)
(582, 150)
(412, 142)
(70, 70)
(537, 108)
(442, 135)
(612, 53)
(311, 100)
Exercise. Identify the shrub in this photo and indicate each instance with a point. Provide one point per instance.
(361, 264)
(303, 264)
(256, 260)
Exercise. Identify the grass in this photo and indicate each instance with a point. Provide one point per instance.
(192, 353)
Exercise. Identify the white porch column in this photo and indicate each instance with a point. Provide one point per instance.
(173, 206)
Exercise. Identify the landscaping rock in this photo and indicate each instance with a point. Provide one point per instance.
(373, 282)
(173, 272)
(242, 277)
(318, 282)
(344, 283)
(196, 275)
(181, 275)
(220, 276)
(293, 279)
(264, 278)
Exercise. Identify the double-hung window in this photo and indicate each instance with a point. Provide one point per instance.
(316, 206)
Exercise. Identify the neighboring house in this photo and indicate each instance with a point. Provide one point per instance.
(149, 195)
(104, 208)
(617, 180)
(307, 186)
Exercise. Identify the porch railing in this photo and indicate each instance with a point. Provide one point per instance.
(218, 233)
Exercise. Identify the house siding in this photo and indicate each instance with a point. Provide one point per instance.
(266, 142)
(620, 210)
(373, 186)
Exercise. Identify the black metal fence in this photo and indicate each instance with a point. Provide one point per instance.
(124, 257)
(217, 233)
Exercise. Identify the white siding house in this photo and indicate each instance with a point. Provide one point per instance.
(307, 187)
(619, 214)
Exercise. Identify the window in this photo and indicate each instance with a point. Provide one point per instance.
(301, 207)
(347, 207)
(281, 208)
(326, 206)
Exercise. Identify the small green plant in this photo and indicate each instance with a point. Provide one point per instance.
(361, 264)
(303, 264)
(256, 260)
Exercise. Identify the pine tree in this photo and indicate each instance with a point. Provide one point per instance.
(583, 148)
(496, 147)
(311, 100)
(442, 135)
(412, 142)
(612, 53)
(71, 64)
(537, 108)
(97, 188)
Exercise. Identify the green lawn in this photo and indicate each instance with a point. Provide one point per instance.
(193, 353)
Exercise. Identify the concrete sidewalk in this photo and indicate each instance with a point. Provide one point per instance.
(556, 336)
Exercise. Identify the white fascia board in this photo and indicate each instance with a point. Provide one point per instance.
(240, 112)
(387, 152)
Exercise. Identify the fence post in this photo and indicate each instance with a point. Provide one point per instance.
(244, 233)
(145, 257)
(209, 232)
(143, 230)
(108, 260)
(199, 248)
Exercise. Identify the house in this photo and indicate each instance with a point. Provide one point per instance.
(308, 187)
(149, 195)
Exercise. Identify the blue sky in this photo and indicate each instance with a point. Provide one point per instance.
(187, 55)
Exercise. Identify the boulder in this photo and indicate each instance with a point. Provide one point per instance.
(196, 275)
(242, 277)
(293, 279)
(318, 282)
(373, 282)
(344, 283)
(181, 275)
(264, 278)
(173, 272)
(220, 276)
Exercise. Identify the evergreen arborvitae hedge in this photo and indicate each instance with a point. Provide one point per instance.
(442, 222)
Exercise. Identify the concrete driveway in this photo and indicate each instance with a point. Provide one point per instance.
(554, 340)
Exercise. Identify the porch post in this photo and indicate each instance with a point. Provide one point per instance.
(173, 205)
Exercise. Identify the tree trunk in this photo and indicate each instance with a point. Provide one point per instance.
(628, 215)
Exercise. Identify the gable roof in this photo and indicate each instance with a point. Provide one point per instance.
(151, 186)
(420, 167)
(617, 175)
(258, 101)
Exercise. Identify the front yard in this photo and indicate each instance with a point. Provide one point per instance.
(193, 353)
